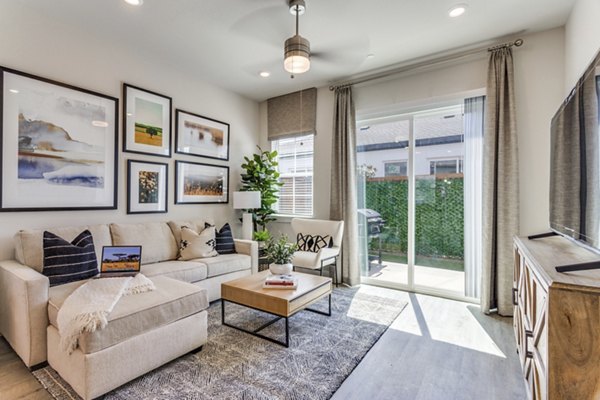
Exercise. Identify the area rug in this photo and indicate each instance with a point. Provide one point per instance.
(235, 365)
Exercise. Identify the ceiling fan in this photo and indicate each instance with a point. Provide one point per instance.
(297, 48)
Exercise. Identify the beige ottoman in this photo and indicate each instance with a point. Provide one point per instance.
(139, 336)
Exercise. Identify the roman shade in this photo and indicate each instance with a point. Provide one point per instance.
(292, 114)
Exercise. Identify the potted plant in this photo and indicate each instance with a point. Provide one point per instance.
(280, 253)
(262, 237)
(261, 175)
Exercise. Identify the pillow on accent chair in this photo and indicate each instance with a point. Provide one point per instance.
(313, 243)
(66, 262)
(224, 236)
(197, 245)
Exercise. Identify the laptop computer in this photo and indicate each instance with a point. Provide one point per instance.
(119, 261)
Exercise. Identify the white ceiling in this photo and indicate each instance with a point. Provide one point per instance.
(228, 42)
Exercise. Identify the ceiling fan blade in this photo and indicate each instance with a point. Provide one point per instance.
(269, 25)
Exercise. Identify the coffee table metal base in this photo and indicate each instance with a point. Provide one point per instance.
(256, 332)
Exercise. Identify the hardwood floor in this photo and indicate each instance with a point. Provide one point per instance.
(436, 349)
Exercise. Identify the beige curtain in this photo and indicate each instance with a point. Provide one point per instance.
(343, 182)
(500, 185)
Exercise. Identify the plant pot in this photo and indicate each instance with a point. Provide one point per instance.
(280, 269)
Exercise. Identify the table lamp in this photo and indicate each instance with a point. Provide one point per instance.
(246, 201)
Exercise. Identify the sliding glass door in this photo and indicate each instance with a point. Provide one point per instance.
(412, 203)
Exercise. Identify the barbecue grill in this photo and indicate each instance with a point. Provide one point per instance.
(374, 225)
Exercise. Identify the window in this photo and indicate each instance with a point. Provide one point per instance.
(295, 156)
(453, 166)
(397, 168)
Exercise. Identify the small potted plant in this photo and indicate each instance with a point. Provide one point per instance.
(280, 253)
(262, 237)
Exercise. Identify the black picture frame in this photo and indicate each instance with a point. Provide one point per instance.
(212, 171)
(183, 143)
(43, 166)
(131, 94)
(134, 205)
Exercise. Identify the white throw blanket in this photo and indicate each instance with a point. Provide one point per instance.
(89, 306)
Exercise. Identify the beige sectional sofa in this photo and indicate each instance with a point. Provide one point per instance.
(27, 300)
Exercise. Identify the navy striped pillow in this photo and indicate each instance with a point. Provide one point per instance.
(224, 236)
(69, 262)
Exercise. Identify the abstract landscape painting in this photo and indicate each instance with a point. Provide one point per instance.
(59, 146)
(201, 136)
(146, 187)
(146, 122)
(201, 183)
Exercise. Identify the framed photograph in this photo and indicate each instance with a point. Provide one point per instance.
(147, 184)
(146, 122)
(201, 136)
(59, 146)
(197, 183)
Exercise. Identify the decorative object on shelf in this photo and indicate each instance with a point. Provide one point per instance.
(297, 49)
(261, 175)
(147, 184)
(197, 183)
(146, 122)
(246, 201)
(280, 253)
(59, 146)
(201, 136)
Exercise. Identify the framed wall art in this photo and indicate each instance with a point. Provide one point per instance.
(147, 186)
(59, 146)
(201, 136)
(146, 122)
(197, 183)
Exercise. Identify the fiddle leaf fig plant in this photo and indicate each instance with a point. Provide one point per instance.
(261, 175)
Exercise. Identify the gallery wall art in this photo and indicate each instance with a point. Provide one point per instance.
(201, 136)
(146, 122)
(59, 145)
(147, 186)
(197, 183)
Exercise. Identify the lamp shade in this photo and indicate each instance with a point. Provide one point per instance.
(246, 200)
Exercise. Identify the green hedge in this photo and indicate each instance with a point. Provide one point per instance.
(439, 215)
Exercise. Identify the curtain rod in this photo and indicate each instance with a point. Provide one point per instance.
(439, 60)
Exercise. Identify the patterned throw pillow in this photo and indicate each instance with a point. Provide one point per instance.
(313, 243)
(225, 243)
(66, 262)
(197, 245)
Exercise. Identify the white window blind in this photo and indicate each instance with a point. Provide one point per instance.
(295, 157)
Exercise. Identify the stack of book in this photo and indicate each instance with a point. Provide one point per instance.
(280, 282)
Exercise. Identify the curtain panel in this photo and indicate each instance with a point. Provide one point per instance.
(343, 204)
(293, 114)
(501, 185)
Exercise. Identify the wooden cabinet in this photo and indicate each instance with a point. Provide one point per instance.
(557, 319)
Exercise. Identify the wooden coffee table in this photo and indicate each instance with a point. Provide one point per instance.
(283, 303)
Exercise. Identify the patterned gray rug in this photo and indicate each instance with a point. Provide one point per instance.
(234, 365)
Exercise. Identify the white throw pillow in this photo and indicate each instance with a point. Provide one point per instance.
(197, 245)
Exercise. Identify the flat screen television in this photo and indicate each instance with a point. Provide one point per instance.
(575, 162)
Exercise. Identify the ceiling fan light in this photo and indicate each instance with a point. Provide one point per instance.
(296, 55)
(297, 6)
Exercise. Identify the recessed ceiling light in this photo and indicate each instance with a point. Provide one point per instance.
(15, 91)
(265, 74)
(135, 2)
(369, 56)
(100, 124)
(457, 10)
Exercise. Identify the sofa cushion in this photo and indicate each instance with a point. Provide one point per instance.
(196, 225)
(157, 240)
(225, 242)
(226, 263)
(133, 315)
(197, 245)
(309, 259)
(66, 262)
(29, 243)
(187, 271)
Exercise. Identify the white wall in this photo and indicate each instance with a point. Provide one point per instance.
(582, 39)
(539, 83)
(31, 43)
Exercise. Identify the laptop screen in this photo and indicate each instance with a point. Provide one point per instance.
(121, 259)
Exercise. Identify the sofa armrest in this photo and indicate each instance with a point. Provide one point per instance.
(249, 247)
(24, 310)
